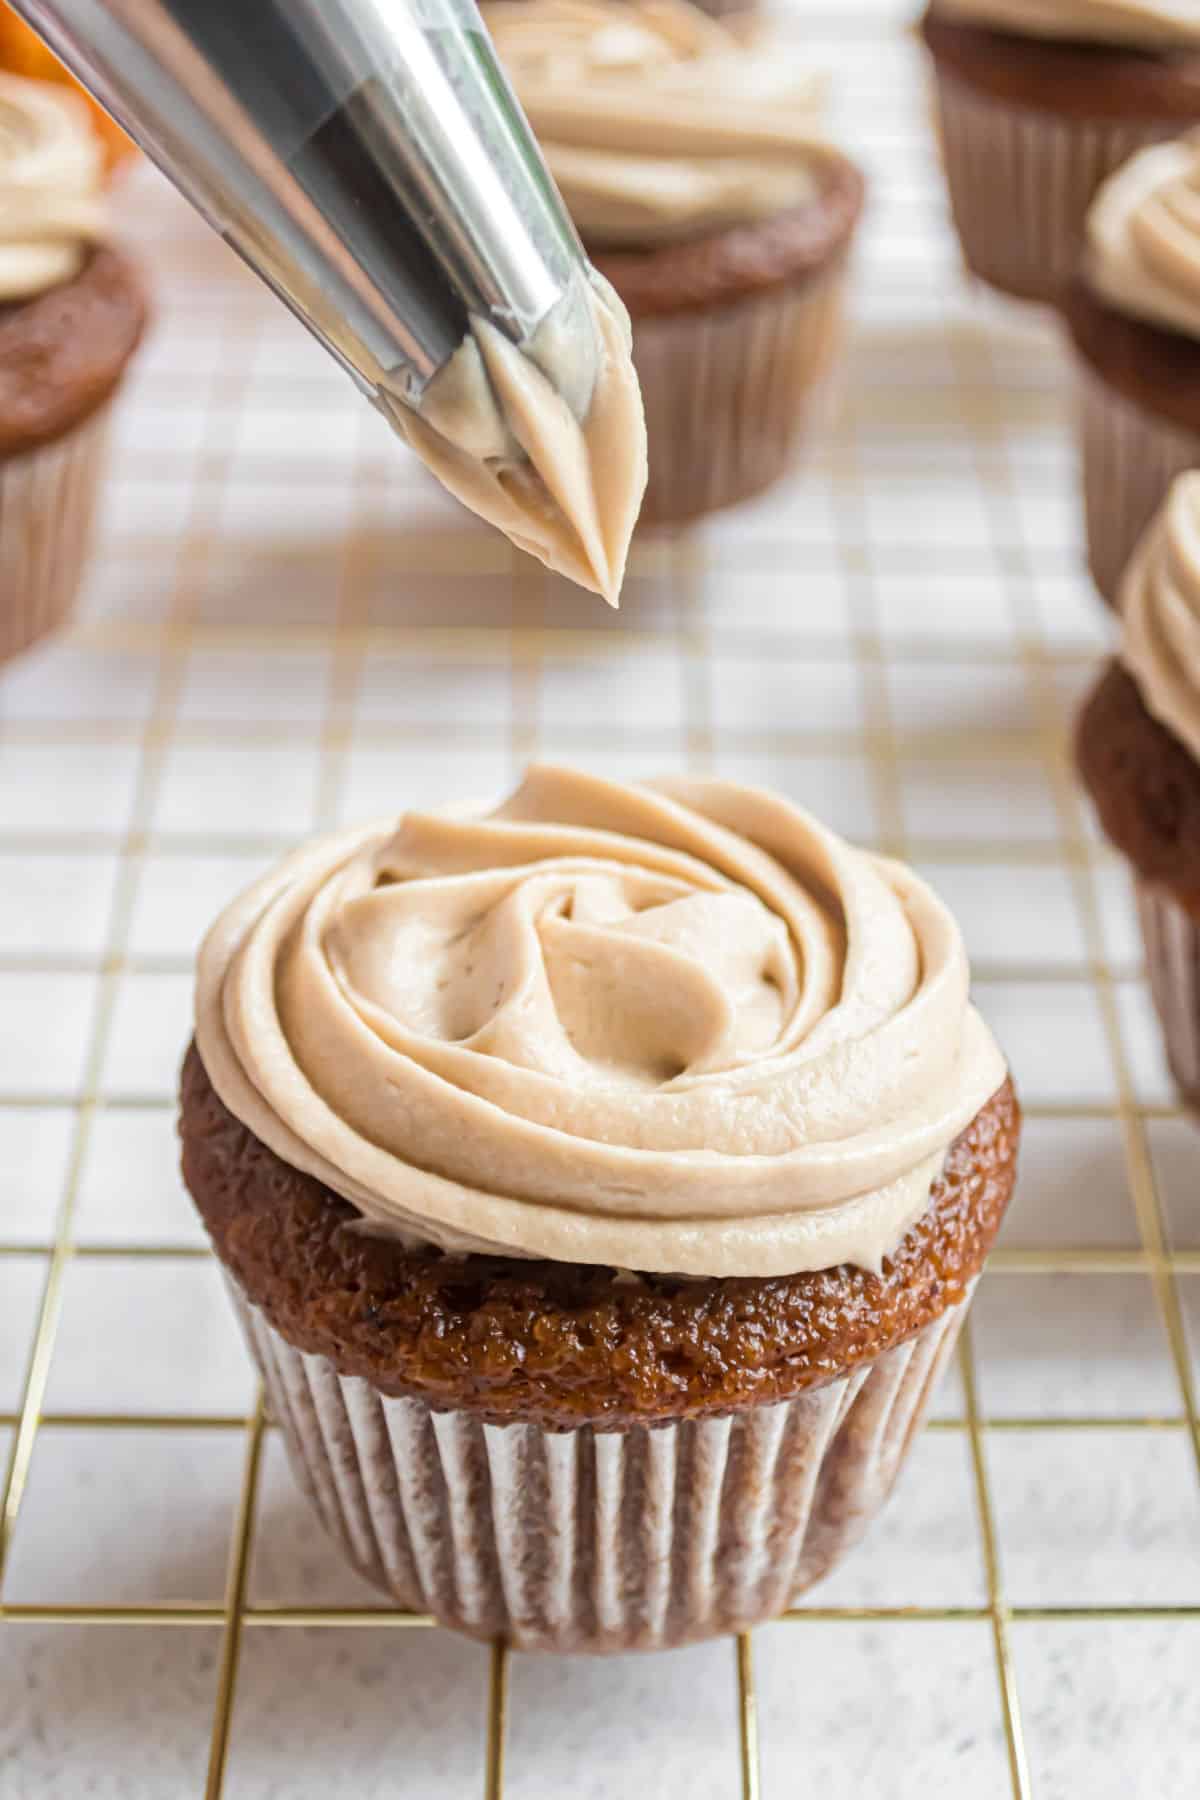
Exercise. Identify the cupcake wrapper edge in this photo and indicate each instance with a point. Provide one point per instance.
(47, 505)
(1128, 461)
(730, 393)
(1172, 940)
(1021, 182)
(585, 1540)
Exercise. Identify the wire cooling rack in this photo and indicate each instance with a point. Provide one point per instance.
(288, 626)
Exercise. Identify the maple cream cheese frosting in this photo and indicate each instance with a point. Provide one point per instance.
(528, 442)
(1142, 24)
(51, 187)
(1143, 236)
(657, 123)
(1160, 614)
(670, 1027)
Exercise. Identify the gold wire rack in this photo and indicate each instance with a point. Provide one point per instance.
(541, 627)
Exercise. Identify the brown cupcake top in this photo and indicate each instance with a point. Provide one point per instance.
(63, 352)
(561, 1344)
(1071, 80)
(1155, 369)
(1144, 783)
(746, 260)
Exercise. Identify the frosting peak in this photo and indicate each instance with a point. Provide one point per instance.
(51, 186)
(1144, 236)
(1160, 614)
(675, 1027)
(1144, 24)
(657, 122)
(499, 433)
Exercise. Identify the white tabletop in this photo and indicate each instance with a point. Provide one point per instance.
(286, 625)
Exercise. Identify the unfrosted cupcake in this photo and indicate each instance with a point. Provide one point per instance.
(1039, 100)
(1134, 317)
(692, 166)
(71, 314)
(601, 1183)
(1138, 747)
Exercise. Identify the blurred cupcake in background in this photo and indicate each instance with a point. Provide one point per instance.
(693, 167)
(72, 311)
(1138, 749)
(22, 52)
(1134, 317)
(1039, 100)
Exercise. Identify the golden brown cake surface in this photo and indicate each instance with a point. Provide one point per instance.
(561, 1344)
(744, 260)
(1081, 81)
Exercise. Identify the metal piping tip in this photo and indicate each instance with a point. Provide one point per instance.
(367, 158)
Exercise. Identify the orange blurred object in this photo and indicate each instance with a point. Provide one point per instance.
(22, 52)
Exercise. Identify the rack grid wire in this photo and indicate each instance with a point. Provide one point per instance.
(286, 616)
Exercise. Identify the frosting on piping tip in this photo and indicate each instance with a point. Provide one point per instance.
(501, 435)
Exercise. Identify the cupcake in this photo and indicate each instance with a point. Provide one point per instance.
(1138, 750)
(601, 1183)
(691, 165)
(1039, 100)
(71, 314)
(1134, 316)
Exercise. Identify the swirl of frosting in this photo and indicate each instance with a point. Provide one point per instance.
(669, 1027)
(1143, 236)
(657, 122)
(51, 186)
(1144, 24)
(1160, 614)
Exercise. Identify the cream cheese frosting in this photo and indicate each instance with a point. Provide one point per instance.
(563, 482)
(51, 187)
(1160, 614)
(657, 122)
(676, 1026)
(1143, 236)
(1144, 24)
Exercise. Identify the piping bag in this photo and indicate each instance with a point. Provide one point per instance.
(370, 162)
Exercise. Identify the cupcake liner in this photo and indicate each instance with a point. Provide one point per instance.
(729, 392)
(1128, 461)
(47, 505)
(1172, 938)
(586, 1540)
(1021, 183)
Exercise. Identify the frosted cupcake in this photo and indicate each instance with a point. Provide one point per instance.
(1038, 101)
(691, 165)
(71, 313)
(602, 1183)
(1138, 747)
(1134, 317)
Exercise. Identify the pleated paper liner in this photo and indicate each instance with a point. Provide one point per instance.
(731, 392)
(47, 507)
(586, 1540)
(1172, 938)
(1021, 183)
(1128, 461)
